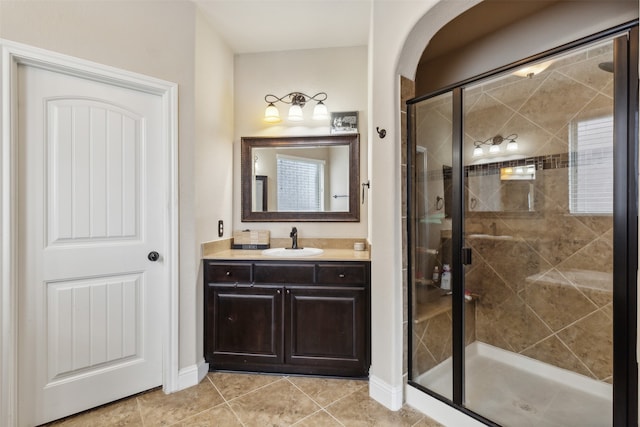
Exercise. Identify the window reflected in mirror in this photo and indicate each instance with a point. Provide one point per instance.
(300, 178)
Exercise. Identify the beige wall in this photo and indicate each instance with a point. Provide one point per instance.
(212, 171)
(390, 50)
(341, 73)
(158, 39)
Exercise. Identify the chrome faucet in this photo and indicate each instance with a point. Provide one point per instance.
(294, 238)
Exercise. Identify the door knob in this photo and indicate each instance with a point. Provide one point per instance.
(153, 256)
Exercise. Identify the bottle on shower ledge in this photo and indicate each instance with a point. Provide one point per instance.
(445, 279)
(435, 277)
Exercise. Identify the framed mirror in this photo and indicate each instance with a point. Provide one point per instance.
(303, 178)
(507, 189)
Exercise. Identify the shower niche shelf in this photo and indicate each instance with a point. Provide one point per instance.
(432, 302)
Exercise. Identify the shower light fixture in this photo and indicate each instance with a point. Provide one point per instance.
(297, 100)
(531, 70)
(494, 144)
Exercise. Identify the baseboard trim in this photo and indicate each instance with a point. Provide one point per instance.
(192, 375)
(385, 394)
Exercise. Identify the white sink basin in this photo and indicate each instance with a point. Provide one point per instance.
(287, 252)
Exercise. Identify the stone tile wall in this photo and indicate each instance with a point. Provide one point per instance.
(545, 291)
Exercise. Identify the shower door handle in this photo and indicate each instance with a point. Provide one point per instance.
(466, 256)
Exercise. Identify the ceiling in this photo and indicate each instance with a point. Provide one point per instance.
(251, 26)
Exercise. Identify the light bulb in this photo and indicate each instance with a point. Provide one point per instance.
(295, 113)
(320, 112)
(271, 114)
(494, 149)
(512, 146)
(477, 152)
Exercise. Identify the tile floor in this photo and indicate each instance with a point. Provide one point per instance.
(229, 400)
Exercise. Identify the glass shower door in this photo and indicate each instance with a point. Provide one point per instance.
(538, 196)
(431, 304)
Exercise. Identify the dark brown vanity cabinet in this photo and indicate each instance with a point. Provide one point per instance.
(299, 317)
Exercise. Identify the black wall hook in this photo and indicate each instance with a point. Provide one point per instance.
(381, 132)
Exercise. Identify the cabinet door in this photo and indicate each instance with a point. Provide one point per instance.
(326, 330)
(246, 326)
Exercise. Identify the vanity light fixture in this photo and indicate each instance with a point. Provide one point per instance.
(524, 172)
(297, 100)
(494, 144)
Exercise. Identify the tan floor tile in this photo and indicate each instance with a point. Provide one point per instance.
(359, 410)
(221, 416)
(234, 385)
(159, 409)
(277, 404)
(122, 413)
(319, 419)
(255, 400)
(325, 391)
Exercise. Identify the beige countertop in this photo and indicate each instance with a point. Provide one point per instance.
(327, 255)
(335, 249)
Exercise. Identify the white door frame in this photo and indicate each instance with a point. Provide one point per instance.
(13, 54)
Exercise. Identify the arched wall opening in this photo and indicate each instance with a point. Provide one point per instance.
(551, 26)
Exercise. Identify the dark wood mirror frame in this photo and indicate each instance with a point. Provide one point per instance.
(248, 143)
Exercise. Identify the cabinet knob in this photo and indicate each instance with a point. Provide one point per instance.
(341, 275)
(278, 291)
(288, 291)
(228, 273)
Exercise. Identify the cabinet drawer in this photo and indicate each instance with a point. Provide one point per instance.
(227, 273)
(283, 273)
(342, 273)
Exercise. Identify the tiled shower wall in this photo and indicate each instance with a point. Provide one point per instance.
(545, 290)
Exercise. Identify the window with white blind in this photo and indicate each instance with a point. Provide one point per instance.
(300, 184)
(591, 167)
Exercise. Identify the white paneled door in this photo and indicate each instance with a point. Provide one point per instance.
(92, 202)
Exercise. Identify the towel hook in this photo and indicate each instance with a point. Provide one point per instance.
(365, 184)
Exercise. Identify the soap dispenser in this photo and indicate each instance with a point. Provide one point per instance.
(435, 277)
